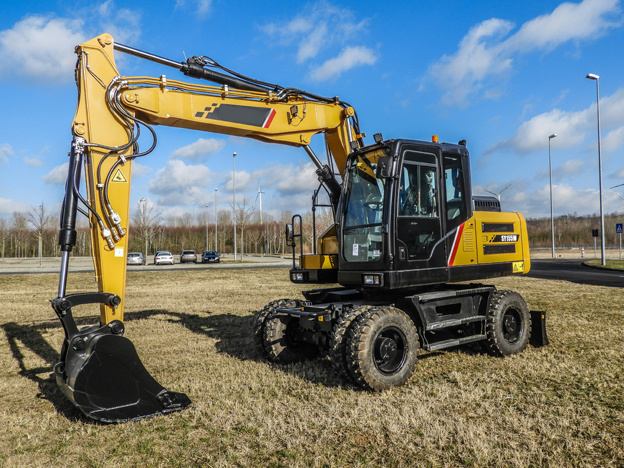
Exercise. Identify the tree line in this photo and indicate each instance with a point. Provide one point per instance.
(35, 232)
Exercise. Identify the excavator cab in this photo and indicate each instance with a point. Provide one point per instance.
(406, 220)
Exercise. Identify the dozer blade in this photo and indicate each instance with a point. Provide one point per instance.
(107, 381)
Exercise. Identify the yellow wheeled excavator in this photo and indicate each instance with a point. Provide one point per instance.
(407, 233)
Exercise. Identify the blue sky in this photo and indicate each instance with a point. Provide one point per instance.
(504, 75)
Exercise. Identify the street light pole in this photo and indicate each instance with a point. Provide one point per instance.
(207, 246)
(216, 244)
(596, 78)
(234, 198)
(552, 217)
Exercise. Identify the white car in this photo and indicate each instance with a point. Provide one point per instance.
(163, 258)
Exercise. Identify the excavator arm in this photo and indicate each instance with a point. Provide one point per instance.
(112, 113)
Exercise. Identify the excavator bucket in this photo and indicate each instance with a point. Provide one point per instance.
(101, 373)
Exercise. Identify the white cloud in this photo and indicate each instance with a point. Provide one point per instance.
(41, 48)
(322, 30)
(566, 200)
(202, 7)
(487, 51)
(290, 179)
(349, 58)
(178, 183)
(572, 128)
(569, 21)
(32, 162)
(199, 150)
(570, 168)
(8, 206)
(140, 170)
(58, 175)
(613, 140)
(121, 23)
(5, 151)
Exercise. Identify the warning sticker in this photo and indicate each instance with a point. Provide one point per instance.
(518, 267)
(119, 177)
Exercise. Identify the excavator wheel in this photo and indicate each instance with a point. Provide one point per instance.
(508, 326)
(260, 319)
(382, 348)
(283, 340)
(337, 343)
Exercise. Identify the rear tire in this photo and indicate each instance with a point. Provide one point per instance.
(282, 340)
(382, 348)
(508, 326)
(260, 319)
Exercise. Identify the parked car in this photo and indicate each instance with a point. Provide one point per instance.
(135, 258)
(163, 257)
(210, 256)
(188, 256)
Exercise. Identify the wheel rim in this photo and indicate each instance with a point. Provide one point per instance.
(512, 325)
(390, 350)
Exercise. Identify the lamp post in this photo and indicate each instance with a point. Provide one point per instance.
(234, 198)
(552, 217)
(144, 221)
(596, 78)
(215, 208)
(207, 244)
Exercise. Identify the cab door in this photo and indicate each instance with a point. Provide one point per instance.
(418, 213)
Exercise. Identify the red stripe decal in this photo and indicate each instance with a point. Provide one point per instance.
(458, 235)
(267, 124)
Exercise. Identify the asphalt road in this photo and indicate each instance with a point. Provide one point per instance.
(559, 269)
(574, 271)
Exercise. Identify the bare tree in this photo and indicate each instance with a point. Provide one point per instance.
(244, 213)
(3, 233)
(19, 232)
(38, 218)
(146, 221)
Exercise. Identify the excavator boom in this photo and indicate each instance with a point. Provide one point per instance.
(111, 111)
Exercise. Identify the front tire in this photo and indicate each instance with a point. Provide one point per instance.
(508, 326)
(382, 348)
(338, 340)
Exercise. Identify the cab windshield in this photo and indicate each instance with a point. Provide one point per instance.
(363, 209)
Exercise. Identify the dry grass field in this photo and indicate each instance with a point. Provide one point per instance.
(557, 406)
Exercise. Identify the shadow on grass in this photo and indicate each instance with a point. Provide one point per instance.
(30, 337)
(233, 335)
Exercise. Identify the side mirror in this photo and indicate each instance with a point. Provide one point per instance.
(384, 167)
(290, 235)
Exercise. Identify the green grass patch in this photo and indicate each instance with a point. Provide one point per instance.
(610, 264)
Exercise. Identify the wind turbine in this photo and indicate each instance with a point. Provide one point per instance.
(260, 192)
(499, 193)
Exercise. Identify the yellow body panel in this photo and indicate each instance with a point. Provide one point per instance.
(493, 237)
(318, 262)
